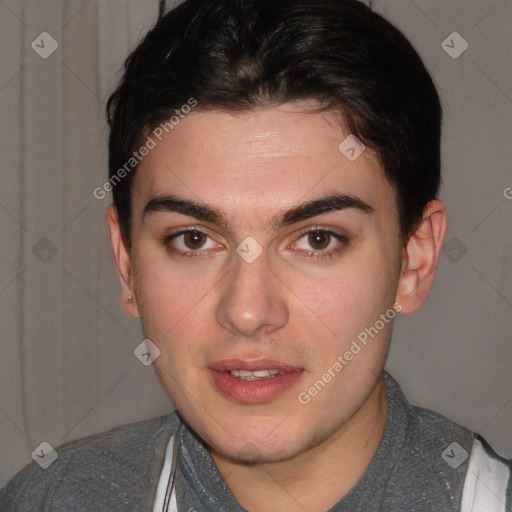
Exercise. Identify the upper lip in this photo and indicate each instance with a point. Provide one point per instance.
(252, 365)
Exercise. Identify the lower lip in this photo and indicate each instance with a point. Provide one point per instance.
(254, 391)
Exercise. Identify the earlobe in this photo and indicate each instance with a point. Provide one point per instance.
(421, 256)
(123, 264)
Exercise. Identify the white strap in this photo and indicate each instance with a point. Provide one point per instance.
(162, 482)
(486, 482)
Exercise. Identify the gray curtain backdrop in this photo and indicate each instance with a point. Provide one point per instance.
(67, 367)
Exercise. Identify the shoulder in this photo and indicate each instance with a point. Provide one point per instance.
(442, 436)
(434, 461)
(441, 464)
(429, 437)
(114, 470)
(461, 465)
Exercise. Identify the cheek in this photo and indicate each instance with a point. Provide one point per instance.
(351, 304)
(176, 308)
(350, 297)
(169, 296)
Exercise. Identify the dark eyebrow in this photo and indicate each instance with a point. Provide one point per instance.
(200, 211)
(330, 203)
(304, 211)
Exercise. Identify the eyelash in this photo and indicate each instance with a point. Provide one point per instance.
(167, 241)
(318, 254)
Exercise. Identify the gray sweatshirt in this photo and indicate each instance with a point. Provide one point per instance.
(421, 465)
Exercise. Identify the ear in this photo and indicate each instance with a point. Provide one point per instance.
(420, 258)
(123, 264)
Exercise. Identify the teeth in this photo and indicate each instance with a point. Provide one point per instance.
(256, 375)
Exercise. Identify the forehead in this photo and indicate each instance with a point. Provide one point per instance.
(274, 156)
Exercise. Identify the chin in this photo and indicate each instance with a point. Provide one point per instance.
(258, 453)
(255, 441)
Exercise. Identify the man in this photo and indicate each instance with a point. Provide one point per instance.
(275, 169)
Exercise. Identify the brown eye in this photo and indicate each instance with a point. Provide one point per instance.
(194, 239)
(191, 243)
(319, 239)
(320, 243)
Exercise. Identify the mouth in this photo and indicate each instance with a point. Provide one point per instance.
(257, 375)
(253, 381)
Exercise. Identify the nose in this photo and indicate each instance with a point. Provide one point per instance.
(253, 300)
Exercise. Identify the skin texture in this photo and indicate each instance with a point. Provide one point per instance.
(286, 305)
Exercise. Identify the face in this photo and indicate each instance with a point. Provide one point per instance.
(258, 246)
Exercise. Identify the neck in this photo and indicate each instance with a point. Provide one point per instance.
(317, 478)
